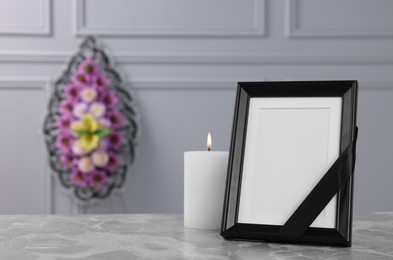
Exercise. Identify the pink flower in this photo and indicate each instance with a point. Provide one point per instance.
(115, 140)
(101, 82)
(113, 162)
(72, 91)
(64, 123)
(66, 107)
(97, 179)
(64, 142)
(88, 67)
(116, 118)
(67, 160)
(78, 178)
(109, 99)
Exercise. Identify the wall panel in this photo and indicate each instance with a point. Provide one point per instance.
(182, 59)
(25, 17)
(170, 18)
(24, 178)
(339, 19)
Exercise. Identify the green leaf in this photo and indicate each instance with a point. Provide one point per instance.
(103, 132)
(81, 132)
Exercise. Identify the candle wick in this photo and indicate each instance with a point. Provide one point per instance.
(208, 149)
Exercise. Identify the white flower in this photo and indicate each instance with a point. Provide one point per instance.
(80, 109)
(85, 165)
(88, 94)
(103, 123)
(99, 158)
(97, 109)
(77, 149)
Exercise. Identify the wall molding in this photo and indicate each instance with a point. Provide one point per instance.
(42, 85)
(81, 29)
(43, 28)
(214, 59)
(293, 30)
(37, 83)
(364, 84)
(225, 84)
(186, 84)
(371, 85)
(176, 84)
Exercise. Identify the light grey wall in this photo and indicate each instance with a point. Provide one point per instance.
(183, 59)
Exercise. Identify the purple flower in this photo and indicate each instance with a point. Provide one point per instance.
(64, 123)
(101, 82)
(116, 118)
(72, 91)
(67, 160)
(103, 145)
(66, 107)
(80, 109)
(109, 99)
(115, 140)
(78, 178)
(97, 179)
(64, 142)
(88, 67)
(113, 162)
(81, 78)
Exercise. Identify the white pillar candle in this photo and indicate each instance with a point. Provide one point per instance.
(204, 186)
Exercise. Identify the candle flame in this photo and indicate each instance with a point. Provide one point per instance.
(209, 141)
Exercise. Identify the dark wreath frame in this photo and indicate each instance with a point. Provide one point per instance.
(90, 49)
(297, 229)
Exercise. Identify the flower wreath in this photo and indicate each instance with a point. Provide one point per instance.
(91, 127)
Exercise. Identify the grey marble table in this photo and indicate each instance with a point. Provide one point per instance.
(117, 237)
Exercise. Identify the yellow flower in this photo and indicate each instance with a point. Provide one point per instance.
(88, 142)
(89, 131)
(87, 124)
(76, 127)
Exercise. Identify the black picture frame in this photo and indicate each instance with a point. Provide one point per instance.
(341, 233)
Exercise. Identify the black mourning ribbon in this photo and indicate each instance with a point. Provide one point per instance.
(334, 179)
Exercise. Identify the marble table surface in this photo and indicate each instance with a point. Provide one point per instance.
(117, 237)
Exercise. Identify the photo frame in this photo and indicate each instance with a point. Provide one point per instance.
(291, 163)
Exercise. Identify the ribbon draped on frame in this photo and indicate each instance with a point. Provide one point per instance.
(335, 178)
